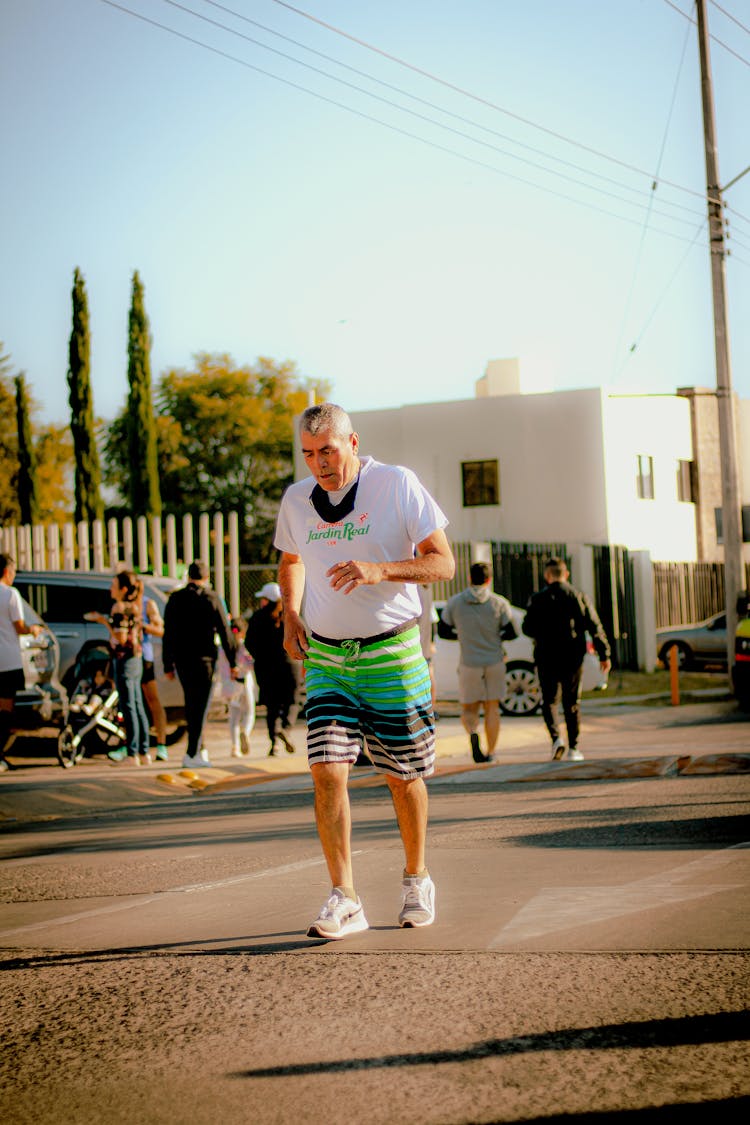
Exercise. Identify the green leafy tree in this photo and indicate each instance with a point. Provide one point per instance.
(143, 475)
(26, 480)
(9, 510)
(88, 502)
(225, 441)
(54, 472)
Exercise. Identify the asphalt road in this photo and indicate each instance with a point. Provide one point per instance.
(589, 961)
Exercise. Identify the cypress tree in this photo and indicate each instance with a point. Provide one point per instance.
(88, 502)
(144, 495)
(28, 496)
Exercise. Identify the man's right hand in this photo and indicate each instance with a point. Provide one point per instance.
(295, 635)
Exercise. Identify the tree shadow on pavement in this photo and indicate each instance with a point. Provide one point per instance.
(719, 1027)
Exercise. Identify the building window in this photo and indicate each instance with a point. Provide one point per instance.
(645, 477)
(685, 481)
(481, 482)
(718, 513)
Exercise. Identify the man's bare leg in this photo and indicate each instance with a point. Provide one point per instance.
(491, 724)
(334, 819)
(470, 717)
(410, 802)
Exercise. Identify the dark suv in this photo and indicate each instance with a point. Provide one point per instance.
(63, 597)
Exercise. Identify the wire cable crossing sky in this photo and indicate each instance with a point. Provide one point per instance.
(390, 195)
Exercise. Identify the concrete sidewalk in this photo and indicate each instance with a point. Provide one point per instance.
(619, 743)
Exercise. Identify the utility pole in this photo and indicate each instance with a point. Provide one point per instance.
(730, 492)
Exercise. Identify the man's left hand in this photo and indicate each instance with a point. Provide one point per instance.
(346, 576)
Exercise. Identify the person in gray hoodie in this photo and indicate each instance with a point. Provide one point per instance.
(480, 619)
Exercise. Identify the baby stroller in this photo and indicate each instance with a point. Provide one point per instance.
(94, 721)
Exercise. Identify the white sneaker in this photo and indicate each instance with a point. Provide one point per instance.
(338, 917)
(236, 752)
(417, 902)
(199, 762)
(574, 754)
(558, 749)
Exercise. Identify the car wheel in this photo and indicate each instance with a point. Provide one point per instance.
(523, 695)
(685, 657)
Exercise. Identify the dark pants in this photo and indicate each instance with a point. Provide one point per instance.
(559, 680)
(196, 678)
(128, 674)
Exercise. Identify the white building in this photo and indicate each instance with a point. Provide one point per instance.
(572, 467)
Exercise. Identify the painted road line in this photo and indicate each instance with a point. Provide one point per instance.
(145, 900)
(562, 908)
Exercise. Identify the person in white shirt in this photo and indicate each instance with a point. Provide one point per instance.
(12, 626)
(356, 540)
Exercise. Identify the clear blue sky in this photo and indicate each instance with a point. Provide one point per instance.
(371, 246)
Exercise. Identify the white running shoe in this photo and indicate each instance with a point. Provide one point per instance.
(558, 749)
(417, 902)
(339, 916)
(575, 755)
(199, 762)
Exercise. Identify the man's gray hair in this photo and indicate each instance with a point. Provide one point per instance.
(327, 417)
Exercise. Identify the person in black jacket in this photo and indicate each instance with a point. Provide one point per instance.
(277, 684)
(194, 616)
(558, 618)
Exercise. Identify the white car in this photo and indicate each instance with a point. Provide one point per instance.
(522, 684)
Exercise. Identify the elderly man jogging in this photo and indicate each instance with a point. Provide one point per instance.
(357, 537)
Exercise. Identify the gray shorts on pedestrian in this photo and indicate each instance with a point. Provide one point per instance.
(480, 684)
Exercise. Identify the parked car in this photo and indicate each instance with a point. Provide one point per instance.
(697, 645)
(523, 696)
(43, 698)
(741, 665)
(62, 598)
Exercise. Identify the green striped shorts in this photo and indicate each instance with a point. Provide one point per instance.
(375, 691)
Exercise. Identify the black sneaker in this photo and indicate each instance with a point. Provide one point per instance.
(476, 750)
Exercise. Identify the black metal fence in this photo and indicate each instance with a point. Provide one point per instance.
(614, 585)
(689, 591)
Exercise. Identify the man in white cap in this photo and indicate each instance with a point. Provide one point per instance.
(277, 683)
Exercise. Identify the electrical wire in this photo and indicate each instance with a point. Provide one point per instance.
(649, 319)
(502, 109)
(394, 128)
(729, 16)
(644, 231)
(720, 42)
(481, 100)
(414, 97)
(431, 121)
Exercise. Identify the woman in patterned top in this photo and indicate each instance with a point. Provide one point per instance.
(125, 625)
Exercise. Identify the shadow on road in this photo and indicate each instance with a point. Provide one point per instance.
(720, 1027)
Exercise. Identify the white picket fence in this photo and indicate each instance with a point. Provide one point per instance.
(149, 546)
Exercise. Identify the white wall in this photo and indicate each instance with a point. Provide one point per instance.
(659, 427)
(549, 449)
(567, 464)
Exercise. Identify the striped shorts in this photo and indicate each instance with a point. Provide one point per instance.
(376, 691)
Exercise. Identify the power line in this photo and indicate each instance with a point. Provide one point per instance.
(649, 319)
(685, 16)
(481, 100)
(729, 16)
(406, 93)
(431, 121)
(642, 242)
(394, 128)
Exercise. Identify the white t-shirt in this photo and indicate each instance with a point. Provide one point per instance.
(392, 514)
(11, 610)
